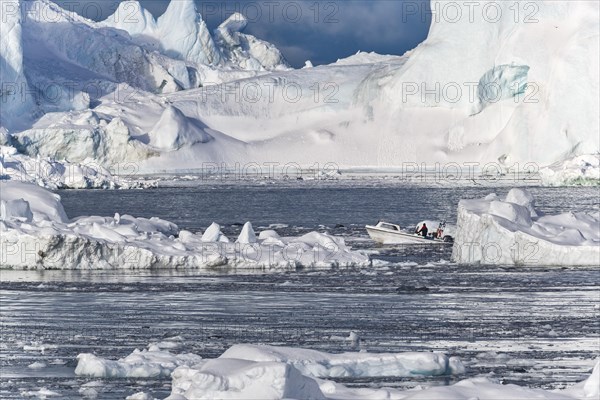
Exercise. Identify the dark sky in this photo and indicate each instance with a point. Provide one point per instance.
(320, 31)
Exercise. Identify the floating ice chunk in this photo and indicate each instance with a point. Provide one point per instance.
(41, 393)
(140, 396)
(323, 365)
(241, 379)
(353, 338)
(37, 365)
(213, 234)
(267, 372)
(139, 243)
(498, 231)
(151, 363)
(247, 235)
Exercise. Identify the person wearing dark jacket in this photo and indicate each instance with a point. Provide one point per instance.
(423, 230)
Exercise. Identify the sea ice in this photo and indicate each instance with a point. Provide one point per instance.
(509, 231)
(268, 372)
(36, 233)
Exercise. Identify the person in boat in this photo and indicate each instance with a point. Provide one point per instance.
(440, 231)
(423, 230)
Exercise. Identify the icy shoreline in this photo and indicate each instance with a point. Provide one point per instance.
(36, 233)
(510, 231)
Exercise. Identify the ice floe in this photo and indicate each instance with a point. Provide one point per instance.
(509, 231)
(268, 372)
(36, 233)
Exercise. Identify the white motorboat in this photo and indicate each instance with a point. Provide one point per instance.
(388, 233)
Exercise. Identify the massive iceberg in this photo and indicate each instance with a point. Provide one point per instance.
(54, 60)
(511, 84)
(12, 76)
(510, 231)
(36, 234)
(181, 33)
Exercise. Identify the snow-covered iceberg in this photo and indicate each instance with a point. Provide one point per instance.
(509, 231)
(53, 60)
(268, 372)
(237, 379)
(317, 364)
(514, 85)
(53, 174)
(12, 74)
(583, 170)
(153, 362)
(36, 233)
(181, 33)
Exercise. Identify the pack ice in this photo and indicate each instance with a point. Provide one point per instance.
(269, 372)
(518, 88)
(36, 233)
(510, 231)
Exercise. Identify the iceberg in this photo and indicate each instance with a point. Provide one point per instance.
(246, 50)
(36, 234)
(509, 231)
(148, 363)
(508, 92)
(237, 379)
(269, 372)
(181, 33)
(53, 174)
(12, 75)
(317, 364)
(577, 171)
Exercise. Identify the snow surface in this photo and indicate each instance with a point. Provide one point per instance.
(509, 231)
(317, 364)
(236, 379)
(268, 372)
(36, 233)
(507, 91)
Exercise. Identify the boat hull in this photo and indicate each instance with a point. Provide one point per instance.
(388, 236)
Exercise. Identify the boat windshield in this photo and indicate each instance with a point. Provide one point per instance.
(390, 227)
